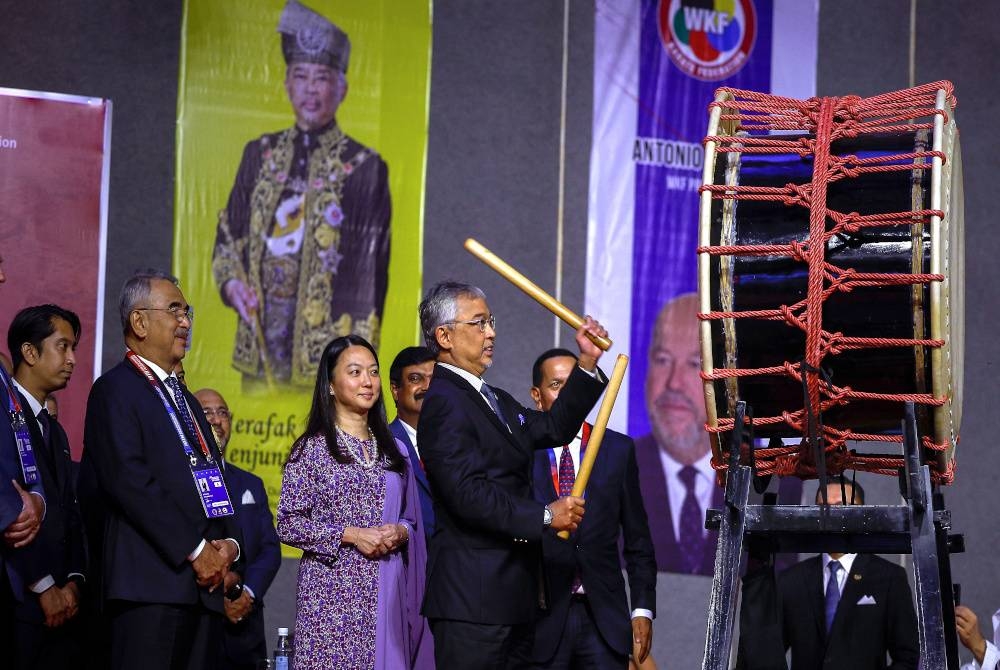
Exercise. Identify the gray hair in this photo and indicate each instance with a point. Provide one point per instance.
(135, 291)
(440, 307)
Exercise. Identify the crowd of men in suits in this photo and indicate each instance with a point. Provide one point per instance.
(157, 554)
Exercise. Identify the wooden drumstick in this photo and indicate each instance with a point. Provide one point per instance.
(532, 289)
(597, 434)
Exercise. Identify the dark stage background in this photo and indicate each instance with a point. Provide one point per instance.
(492, 173)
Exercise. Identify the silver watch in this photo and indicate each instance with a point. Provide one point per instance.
(547, 517)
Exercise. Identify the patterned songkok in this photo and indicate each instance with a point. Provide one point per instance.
(308, 37)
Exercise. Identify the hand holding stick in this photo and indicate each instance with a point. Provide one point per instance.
(600, 426)
(531, 288)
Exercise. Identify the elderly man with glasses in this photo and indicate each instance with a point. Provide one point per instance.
(476, 443)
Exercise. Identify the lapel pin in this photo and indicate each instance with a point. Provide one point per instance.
(857, 578)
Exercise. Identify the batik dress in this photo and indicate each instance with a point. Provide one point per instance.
(352, 611)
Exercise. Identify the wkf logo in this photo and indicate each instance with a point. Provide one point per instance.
(708, 39)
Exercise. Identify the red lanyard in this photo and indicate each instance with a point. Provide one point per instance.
(134, 359)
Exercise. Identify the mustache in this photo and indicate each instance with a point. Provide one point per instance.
(419, 395)
(667, 398)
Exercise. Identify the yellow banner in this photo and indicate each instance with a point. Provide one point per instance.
(298, 201)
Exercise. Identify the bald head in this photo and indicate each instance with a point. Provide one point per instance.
(675, 401)
(217, 414)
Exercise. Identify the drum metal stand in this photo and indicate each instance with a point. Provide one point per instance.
(918, 527)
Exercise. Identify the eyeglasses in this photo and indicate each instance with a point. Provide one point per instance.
(222, 413)
(178, 312)
(482, 323)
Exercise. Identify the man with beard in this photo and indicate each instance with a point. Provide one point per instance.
(675, 461)
(409, 377)
(244, 641)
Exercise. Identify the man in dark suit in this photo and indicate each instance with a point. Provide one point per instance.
(586, 624)
(169, 534)
(42, 341)
(832, 610)
(483, 580)
(245, 641)
(22, 505)
(409, 378)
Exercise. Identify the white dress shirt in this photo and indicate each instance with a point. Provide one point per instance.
(991, 659)
(846, 562)
(411, 433)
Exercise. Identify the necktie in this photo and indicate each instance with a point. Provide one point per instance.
(690, 536)
(491, 398)
(45, 421)
(832, 593)
(182, 408)
(567, 477)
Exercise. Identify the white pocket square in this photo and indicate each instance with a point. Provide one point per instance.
(249, 500)
(867, 600)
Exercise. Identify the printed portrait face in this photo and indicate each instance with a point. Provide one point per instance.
(674, 397)
(315, 92)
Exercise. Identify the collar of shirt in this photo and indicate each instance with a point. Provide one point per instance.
(676, 491)
(476, 382)
(996, 628)
(33, 403)
(411, 433)
(574, 451)
(157, 370)
(846, 562)
(36, 407)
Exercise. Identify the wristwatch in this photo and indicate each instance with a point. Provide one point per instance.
(235, 592)
(547, 517)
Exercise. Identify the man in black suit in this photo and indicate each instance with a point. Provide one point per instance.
(42, 341)
(586, 624)
(483, 582)
(832, 610)
(245, 641)
(168, 530)
(22, 503)
(409, 378)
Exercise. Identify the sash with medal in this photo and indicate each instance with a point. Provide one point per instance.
(554, 462)
(207, 476)
(29, 470)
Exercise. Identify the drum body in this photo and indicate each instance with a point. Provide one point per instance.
(746, 282)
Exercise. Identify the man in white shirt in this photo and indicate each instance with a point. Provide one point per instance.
(986, 655)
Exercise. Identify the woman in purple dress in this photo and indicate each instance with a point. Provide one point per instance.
(349, 502)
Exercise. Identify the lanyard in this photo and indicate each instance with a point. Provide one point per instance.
(554, 463)
(134, 359)
(21, 434)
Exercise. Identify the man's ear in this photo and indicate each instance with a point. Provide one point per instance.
(442, 334)
(29, 353)
(394, 390)
(536, 395)
(137, 319)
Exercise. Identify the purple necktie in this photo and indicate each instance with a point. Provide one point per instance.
(690, 536)
(567, 477)
(182, 409)
(832, 593)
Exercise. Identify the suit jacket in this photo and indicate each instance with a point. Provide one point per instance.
(261, 558)
(657, 498)
(16, 563)
(60, 544)
(861, 634)
(151, 515)
(614, 509)
(484, 562)
(423, 486)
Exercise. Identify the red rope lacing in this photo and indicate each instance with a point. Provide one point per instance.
(827, 120)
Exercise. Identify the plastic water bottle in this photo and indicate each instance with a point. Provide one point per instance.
(283, 652)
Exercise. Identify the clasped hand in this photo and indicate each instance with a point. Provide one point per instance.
(212, 564)
(378, 541)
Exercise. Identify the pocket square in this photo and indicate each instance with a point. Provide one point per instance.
(867, 600)
(248, 499)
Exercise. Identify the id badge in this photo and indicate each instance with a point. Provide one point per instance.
(24, 451)
(212, 490)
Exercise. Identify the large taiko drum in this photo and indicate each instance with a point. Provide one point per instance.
(831, 274)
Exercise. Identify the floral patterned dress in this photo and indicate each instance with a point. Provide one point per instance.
(353, 612)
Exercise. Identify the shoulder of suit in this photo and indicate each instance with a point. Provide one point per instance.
(801, 568)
